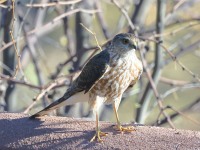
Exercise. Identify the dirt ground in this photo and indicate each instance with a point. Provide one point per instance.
(20, 132)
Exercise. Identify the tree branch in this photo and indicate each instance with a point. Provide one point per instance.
(145, 100)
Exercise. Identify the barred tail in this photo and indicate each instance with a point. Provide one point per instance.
(68, 99)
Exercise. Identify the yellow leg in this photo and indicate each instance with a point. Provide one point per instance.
(98, 133)
(119, 127)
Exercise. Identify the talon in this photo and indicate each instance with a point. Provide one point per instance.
(98, 136)
(124, 129)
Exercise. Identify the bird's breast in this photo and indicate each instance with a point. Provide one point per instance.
(117, 78)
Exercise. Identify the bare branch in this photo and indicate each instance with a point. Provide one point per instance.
(178, 113)
(94, 34)
(49, 25)
(44, 91)
(4, 77)
(19, 66)
(101, 20)
(158, 98)
(50, 4)
(175, 89)
(145, 100)
(125, 14)
(173, 82)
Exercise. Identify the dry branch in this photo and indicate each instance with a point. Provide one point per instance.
(43, 5)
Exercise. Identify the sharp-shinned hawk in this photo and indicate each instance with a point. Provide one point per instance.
(104, 79)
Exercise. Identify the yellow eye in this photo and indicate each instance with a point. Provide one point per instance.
(125, 41)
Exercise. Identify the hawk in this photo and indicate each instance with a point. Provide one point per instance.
(104, 79)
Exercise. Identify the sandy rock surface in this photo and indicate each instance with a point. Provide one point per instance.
(19, 132)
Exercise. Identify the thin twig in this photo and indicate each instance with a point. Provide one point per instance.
(192, 24)
(44, 91)
(18, 66)
(53, 4)
(8, 78)
(125, 14)
(60, 67)
(174, 58)
(158, 98)
(101, 20)
(177, 113)
(21, 24)
(158, 59)
(185, 116)
(173, 82)
(175, 89)
(49, 25)
(184, 68)
(93, 33)
(179, 4)
(3, 6)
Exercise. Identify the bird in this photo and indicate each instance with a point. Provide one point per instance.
(103, 79)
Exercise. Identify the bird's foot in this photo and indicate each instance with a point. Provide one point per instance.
(124, 129)
(98, 136)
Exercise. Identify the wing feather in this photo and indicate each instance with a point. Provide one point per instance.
(93, 71)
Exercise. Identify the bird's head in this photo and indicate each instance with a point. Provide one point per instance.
(123, 43)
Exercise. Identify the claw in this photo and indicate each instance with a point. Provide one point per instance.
(98, 136)
(124, 129)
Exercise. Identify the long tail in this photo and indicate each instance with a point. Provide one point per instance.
(68, 99)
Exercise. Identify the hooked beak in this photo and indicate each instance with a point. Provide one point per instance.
(133, 43)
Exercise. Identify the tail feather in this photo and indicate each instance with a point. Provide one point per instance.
(67, 99)
(49, 108)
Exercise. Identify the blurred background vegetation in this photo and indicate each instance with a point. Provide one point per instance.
(49, 47)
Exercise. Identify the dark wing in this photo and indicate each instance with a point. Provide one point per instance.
(93, 71)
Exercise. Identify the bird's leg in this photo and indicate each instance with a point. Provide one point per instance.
(98, 133)
(119, 127)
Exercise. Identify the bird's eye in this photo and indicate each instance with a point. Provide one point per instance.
(125, 41)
